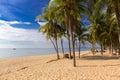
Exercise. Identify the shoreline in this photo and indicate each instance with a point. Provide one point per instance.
(39, 55)
(89, 67)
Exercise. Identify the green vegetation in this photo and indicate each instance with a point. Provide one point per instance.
(64, 18)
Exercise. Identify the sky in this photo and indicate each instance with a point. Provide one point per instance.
(18, 28)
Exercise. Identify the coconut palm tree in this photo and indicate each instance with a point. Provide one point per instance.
(115, 5)
(62, 35)
(81, 35)
(59, 4)
(96, 17)
(102, 27)
(51, 28)
(70, 13)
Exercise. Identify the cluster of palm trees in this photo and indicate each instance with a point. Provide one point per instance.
(64, 18)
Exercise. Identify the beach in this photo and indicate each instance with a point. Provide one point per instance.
(46, 67)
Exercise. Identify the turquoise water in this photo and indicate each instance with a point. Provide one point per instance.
(21, 52)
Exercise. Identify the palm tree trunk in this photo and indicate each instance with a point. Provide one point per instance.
(72, 39)
(73, 49)
(53, 44)
(110, 50)
(101, 49)
(62, 46)
(79, 48)
(67, 28)
(111, 45)
(69, 44)
(76, 44)
(57, 48)
(117, 13)
(93, 48)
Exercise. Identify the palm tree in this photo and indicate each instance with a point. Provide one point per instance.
(51, 28)
(70, 13)
(96, 17)
(102, 27)
(115, 5)
(59, 4)
(61, 35)
(81, 35)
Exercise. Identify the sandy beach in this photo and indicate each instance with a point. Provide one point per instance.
(89, 67)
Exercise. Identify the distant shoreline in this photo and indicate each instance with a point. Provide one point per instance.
(23, 52)
(61, 54)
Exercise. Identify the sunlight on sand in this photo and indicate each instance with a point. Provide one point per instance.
(89, 67)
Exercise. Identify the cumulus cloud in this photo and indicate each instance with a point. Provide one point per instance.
(22, 38)
(7, 32)
(13, 22)
(19, 37)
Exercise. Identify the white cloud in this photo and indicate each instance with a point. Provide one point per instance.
(8, 32)
(26, 23)
(18, 36)
(13, 22)
(41, 23)
(22, 38)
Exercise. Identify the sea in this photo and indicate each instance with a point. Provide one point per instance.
(22, 52)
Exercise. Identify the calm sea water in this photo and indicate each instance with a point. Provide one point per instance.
(21, 52)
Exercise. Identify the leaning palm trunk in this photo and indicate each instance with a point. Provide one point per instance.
(117, 13)
(57, 48)
(62, 46)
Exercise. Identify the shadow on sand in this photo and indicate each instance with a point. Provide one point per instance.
(97, 65)
(99, 57)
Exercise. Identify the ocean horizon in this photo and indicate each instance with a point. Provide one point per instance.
(22, 52)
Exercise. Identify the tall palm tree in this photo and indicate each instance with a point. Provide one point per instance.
(59, 4)
(51, 28)
(96, 17)
(70, 13)
(81, 35)
(115, 5)
(102, 27)
(62, 35)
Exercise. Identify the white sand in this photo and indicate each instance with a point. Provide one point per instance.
(36, 68)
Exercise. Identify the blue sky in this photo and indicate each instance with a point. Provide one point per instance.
(22, 10)
(18, 27)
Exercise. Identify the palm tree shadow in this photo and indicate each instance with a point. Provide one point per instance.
(98, 65)
(99, 57)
